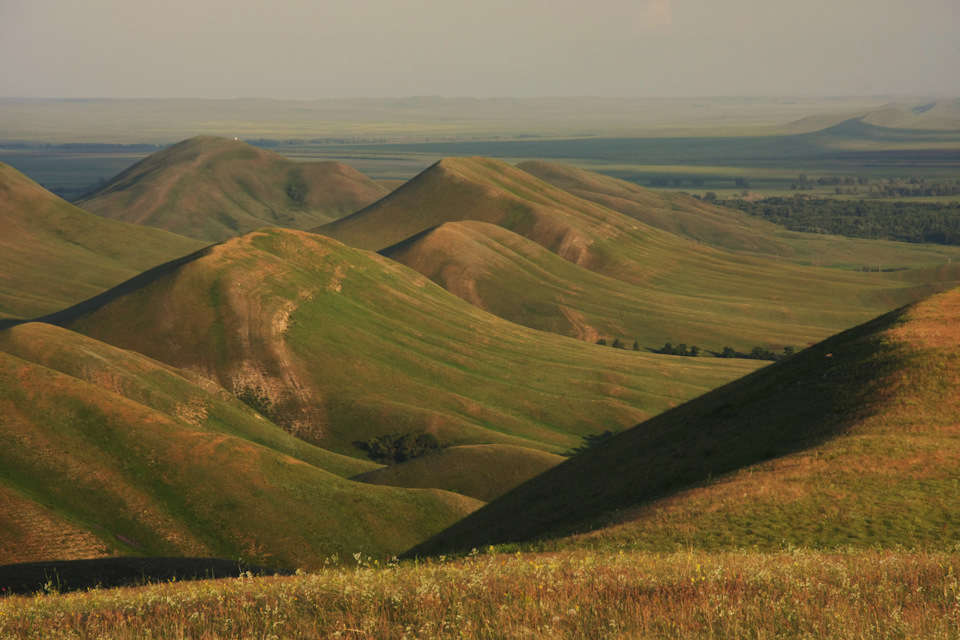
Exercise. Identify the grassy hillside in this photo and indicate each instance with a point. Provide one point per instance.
(652, 272)
(105, 452)
(53, 255)
(483, 471)
(851, 442)
(517, 279)
(796, 594)
(340, 345)
(216, 188)
(730, 229)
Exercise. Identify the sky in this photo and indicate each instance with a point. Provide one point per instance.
(315, 49)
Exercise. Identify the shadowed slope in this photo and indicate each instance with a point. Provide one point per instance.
(483, 472)
(105, 452)
(340, 345)
(854, 441)
(53, 255)
(216, 188)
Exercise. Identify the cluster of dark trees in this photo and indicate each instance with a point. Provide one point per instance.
(269, 143)
(937, 222)
(680, 350)
(757, 353)
(617, 343)
(399, 447)
(675, 182)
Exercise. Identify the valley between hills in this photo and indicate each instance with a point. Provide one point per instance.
(202, 358)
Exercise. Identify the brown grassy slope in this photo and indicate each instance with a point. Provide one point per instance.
(53, 255)
(483, 471)
(681, 215)
(479, 189)
(105, 452)
(343, 345)
(216, 188)
(852, 442)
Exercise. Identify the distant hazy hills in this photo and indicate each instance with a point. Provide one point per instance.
(53, 255)
(216, 188)
(851, 442)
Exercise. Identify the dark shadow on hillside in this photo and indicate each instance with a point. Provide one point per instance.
(784, 408)
(62, 576)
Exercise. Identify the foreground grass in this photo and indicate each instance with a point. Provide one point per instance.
(858, 594)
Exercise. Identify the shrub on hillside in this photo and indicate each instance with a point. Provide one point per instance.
(399, 447)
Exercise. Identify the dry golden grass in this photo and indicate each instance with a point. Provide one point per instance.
(790, 594)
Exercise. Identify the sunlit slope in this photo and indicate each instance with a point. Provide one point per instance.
(340, 345)
(855, 441)
(740, 304)
(733, 230)
(105, 452)
(681, 215)
(483, 472)
(53, 255)
(216, 188)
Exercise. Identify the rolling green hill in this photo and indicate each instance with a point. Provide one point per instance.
(534, 254)
(851, 442)
(53, 255)
(340, 345)
(106, 452)
(481, 471)
(715, 304)
(216, 188)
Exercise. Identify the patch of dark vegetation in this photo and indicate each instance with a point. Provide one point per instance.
(399, 447)
(297, 189)
(257, 400)
(62, 576)
(679, 350)
(917, 222)
(590, 441)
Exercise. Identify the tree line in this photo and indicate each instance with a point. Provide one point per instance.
(919, 222)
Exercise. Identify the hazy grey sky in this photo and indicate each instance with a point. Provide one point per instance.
(307, 49)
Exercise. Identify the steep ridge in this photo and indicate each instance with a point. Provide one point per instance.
(53, 255)
(852, 442)
(340, 345)
(106, 452)
(217, 188)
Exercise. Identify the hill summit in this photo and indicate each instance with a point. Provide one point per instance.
(214, 188)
